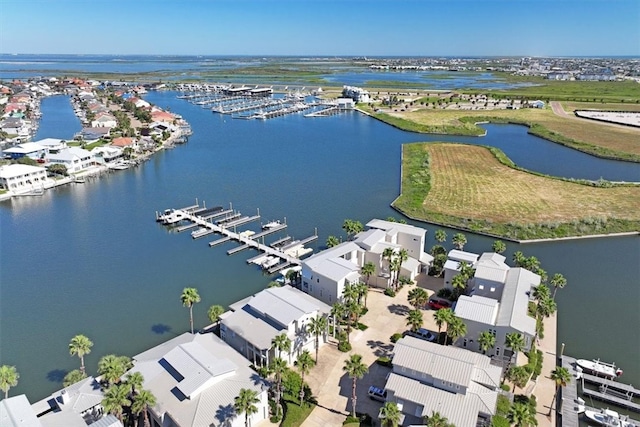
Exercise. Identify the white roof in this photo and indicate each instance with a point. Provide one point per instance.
(478, 309)
(330, 263)
(396, 227)
(11, 171)
(491, 266)
(515, 301)
(370, 238)
(25, 148)
(457, 255)
(49, 142)
(17, 412)
(286, 304)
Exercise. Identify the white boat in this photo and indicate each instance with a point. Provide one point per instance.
(172, 216)
(598, 368)
(270, 225)
(608, 418)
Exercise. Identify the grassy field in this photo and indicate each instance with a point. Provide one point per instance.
(621, 143)
(468, 187)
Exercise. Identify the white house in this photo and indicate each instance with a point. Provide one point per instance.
(104, 120)
(107, 154)
(26, 149)
(74, 158)
(22, 178)
(452, 265)
(490, 276)
(195, 379)
(254, 322)
(16, 411)
(52, 145)
(427, 377)
(499, 316)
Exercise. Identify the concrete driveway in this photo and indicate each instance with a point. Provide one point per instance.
(332, 386)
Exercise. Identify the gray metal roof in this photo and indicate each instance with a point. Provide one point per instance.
(252, 328)
(477, 308)
(515, 301)
(368, 239)
(390, 226)
(457, 255)
(17, 412)
(286, 304)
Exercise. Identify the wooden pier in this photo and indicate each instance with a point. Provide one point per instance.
(569, 415)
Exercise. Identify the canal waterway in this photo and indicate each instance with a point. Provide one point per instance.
(89, 258)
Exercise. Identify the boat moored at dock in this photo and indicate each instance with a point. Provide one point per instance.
(609, 418)
(598, 368)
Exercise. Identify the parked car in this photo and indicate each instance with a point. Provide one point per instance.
(377, 393)
(438, 303)
(423, 334)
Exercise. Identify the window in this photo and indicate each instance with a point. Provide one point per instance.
(481, 287)
(464, 343)
(493, 289)
(497, 351)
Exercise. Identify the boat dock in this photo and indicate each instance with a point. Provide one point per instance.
(624, 391)
(569, 413)
(273, 257)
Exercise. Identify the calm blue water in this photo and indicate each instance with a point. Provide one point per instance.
(89, 258)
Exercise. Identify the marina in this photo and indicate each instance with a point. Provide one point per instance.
(284, 252)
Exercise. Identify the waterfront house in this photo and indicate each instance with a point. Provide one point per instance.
(74, 159)
(124, 142)
(104, 120)
(15, 126)
(490, 275)
(26, 149)
(195, 378)
(22, 178)
(93, 133)
(499, 316)
(452, 265)
(16, 411)
(427, 377)
(52, 145)
(107, 154)
(254, 322)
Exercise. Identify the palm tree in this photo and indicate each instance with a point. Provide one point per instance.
(332, 241)
(73, 377)
(363, 291)
(561, 376)
(486, 340)
(214, 313)
(367, 270)
(350, 293)
(135, 380)
(112, 367)
(387, 254)
(246, 402)
(459, 240)
(558, 282)
(356, 370)
(282, 343)
(546, 307)
(514, 341)
(466, 270)
(418, 297)
(519, 259)
(8, 378)
(141, 403)
(278, 367)
(80, 345)
(403, 256)
(304, 363)
(414, 320)
(338, 311)
(115, 399)
(440, 236)
(518, 375)
(317, 325)
(394, 267)
(441, 317)
(436, 420)
(520, 415)
(456, 329)
(459, 283)
(499, 246)
(390, 414)
(190, 297)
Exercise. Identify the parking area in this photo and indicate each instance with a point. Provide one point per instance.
(332, 386)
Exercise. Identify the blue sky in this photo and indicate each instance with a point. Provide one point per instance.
(322, 27)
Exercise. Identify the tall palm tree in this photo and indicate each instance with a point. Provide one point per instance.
(441, 317)
(282, 343)
(8, 378)
(304, 363)
(561, 376)
(459, 283)
(141, 403)
(414, 320)
(467, 270)
(499, 246)
(456, 329)
(246, 402)
(338, 311)
(278, 367)
(332, 241)
(316, 326)
(367, 270)
(363, 291)
(486, 340)
(558, 282)
(112, 367)
(387, 254)
(356, 370)
(418, 297)
(519, 259)
(135, 380)
(73, 377)
(403, 256)
(440, 236)
(520, 415)
(390, 414)
(80, 345)
(214, 313)
(115, 399)
(514, 341)
(518, 375)
(546, 307)
(436, 420)
(190, 297)
(459, 240)
(350, 293)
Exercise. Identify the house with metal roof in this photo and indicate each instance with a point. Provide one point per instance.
(508, 314)
(461, 385)
(254, 322)
(195, 379)
(325, 274)
(74, 159)
(452, 265)
(490, 275)
(16, 411)
(26, 149)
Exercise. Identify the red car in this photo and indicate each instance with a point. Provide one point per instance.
(437, 304)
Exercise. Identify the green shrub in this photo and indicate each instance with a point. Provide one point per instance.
(344, 346)
(502, 408)
(500, 421)
(390, 292)
(384, 361)
(291, 382)
(395, 337)
(505, 387)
